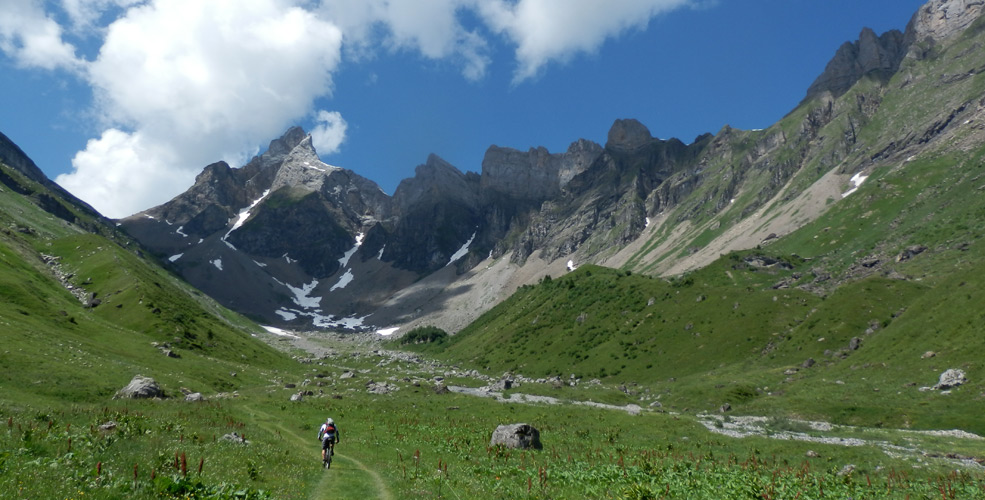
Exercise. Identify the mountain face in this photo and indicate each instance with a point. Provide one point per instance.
(292, 241)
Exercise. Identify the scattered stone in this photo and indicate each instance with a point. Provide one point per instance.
(633, 409)
(195, 397)
(809, 362)
(950, 379)
(910, 252)
(347, 374)
(108, 426)
(519, 436)
(234, 438)
(441, 388)
(725, 408)
(380, 387)
(812, 454)
(846, 470)
(297, 397)
(140, 387)
(790, 371)
(855, 343)
(928, 355)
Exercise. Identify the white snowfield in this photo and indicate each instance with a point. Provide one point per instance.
(856, 181)
(461, 251)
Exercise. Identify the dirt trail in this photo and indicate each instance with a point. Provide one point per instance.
(346, 479)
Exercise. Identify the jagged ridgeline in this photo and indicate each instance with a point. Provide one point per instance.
(82, 310)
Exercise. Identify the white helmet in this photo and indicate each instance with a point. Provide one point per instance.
(329, 421)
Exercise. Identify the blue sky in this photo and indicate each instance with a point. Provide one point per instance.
(124, 101)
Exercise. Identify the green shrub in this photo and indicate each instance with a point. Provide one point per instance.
(423, 335)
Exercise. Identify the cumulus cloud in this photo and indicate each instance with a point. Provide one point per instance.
(555, 30)
(329, 132)
(116, 171)
(33, 39)
(203, 81)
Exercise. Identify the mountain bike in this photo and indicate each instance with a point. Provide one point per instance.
(329, 451)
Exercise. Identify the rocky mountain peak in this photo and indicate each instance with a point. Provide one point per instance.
(434, 177)
(301, 166)
(870, 54)
(286, 143)
(628, 135)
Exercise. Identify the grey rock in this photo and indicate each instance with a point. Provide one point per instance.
(195, 397)
(140, 387)
(855, 343)
(518, 436)
(950, 379)
(233, 437)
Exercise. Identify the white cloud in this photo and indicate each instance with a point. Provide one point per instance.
(120, 171)
(329, 132)
(33, 39)
(431, 27)
(84, 14)
(202, 81)
(556, 30)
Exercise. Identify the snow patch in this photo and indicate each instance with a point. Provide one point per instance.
(571, 265)
(386, 332)
(343, 281)
(380, 256)
(647, 223)
(288, 259)
(259, 264)
(217, 263)
(302, 296)
(241, 218)
(175, 257)
(279, 332)
(856, 181)
(461, 251)
(286, 314)
(179, 231)
(344, 261)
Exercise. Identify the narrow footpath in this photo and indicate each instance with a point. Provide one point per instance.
(347, 479)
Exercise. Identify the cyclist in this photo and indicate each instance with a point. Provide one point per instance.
(328, 434)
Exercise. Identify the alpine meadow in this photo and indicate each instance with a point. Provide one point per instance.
(786, 313)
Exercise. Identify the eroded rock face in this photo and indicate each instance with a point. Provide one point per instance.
(869, 54)
(628, 135)
(938, 20)
(536, 174)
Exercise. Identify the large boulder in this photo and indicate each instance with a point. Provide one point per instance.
(140, 387)
(951, 378)
(520, 436)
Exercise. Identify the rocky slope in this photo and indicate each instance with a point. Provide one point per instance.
(293, 241)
